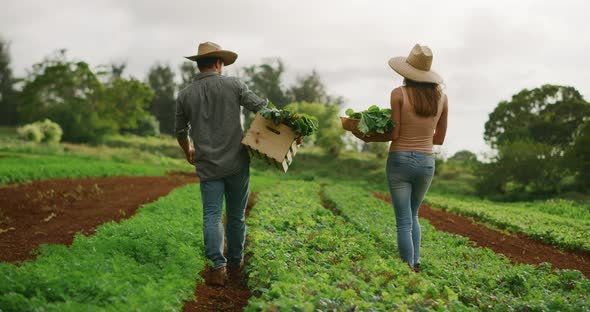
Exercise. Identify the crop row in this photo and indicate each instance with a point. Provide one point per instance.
(480, 278)
(147, 263)
(558, 223)
(305, 258)
(17, 168)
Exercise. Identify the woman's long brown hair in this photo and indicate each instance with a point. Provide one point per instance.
(425, 96)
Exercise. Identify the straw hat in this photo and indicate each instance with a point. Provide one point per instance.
(210, 49)
(416, 66)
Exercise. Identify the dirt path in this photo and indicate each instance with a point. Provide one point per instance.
(53, 211)
(233, 297)
(517, 248)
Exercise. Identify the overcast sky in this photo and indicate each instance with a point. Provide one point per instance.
(485, 50)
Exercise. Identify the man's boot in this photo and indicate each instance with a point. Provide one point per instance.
(217, 277)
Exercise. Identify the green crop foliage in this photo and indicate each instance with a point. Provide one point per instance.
(481, 279)
(302, 124)
(560, 223)
(18, 168)
(304, 258)
(147, 263)
(373, 120)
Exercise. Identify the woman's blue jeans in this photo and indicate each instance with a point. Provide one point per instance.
(409, 175)
(235, 189)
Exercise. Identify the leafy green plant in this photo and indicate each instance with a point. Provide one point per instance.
(29, 167)
(560, 223)
(374, 120)
(30, 132)
(302, 124)
(147, 263)
(304, 258)
(41, 131)
(481, 279)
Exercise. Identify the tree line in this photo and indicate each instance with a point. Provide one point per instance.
(90, 103)
(540, 137)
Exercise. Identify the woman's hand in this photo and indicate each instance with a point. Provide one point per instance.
(360, 136)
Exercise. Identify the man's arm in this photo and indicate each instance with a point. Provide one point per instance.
(249, 99)
(188, 149)
(441, 126)
(181, 128)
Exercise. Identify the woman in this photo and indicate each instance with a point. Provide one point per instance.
(419, 109)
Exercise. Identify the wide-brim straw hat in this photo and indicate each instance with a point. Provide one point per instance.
(416, 66)
(211, 49)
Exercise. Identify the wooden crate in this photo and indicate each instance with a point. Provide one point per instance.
(275, 144)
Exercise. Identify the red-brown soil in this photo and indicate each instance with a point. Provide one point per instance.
(53, 211)
(517, 248)
(233, 297)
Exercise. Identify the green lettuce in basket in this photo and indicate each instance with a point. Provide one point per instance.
(373, 120)
(302, 124)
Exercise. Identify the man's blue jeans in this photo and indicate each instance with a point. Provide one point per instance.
(409, 175)
(236, 189)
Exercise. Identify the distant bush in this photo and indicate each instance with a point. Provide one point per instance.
(30, 132)
(41, 131)
(52, 132)
(148, 126)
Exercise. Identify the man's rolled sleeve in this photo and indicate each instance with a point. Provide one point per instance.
(181, 123)
(249, 99)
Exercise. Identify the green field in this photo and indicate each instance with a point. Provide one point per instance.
(23, 161)
(149, 262)
(304, 257)
(562, 223)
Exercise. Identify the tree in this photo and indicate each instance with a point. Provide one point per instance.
(125, 102)
(69, 93)
(161, 79)
(8, 96)
(310, 88)
(464, 156)
(549, 115)
(188, 70)
(522, 169)
(578, 157)
(533, 133)
(266, 81)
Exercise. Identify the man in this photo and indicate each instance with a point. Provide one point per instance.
(208, 111)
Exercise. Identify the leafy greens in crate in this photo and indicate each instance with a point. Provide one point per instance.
(302, 124)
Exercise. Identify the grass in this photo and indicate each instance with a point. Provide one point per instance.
(25, 161)
(21, 167)
(147, 263)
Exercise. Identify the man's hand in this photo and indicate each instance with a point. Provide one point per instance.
(188, 149)
(299, 140)
(190, 155)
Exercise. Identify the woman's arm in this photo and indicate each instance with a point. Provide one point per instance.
(441, 126)
(396, 106)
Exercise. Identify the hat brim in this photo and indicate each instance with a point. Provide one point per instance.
(228, 57)
(402, 67)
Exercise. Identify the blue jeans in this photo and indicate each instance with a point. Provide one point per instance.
(409, 175)
(236, 189)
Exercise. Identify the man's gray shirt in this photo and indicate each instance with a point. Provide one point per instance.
(208, 111)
